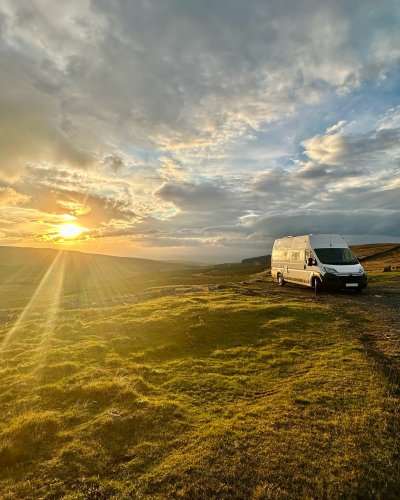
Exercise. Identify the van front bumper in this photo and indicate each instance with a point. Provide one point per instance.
(348, 282)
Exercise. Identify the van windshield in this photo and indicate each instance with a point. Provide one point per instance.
(336, 256)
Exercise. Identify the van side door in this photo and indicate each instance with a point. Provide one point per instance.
(308, 270)
(296, 266)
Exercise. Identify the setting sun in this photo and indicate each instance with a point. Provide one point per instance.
(70, 231)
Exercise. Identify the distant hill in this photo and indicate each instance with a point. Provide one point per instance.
(24, 265)
(262, 261)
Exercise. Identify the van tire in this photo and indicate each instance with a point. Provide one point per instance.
(317, 285)
(281, 281)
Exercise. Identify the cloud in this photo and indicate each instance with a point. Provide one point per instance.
(95, 200)
(22, 224)
(176, 76)
(172, 170)
(114, 162)
(31, 122)
(365, 149)
(203, 197)
(206, 75)
(56, 196)
(191, 123)
(335, 128)
(10, 197)
(390, 119)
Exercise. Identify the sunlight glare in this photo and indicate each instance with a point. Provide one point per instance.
(70, 230)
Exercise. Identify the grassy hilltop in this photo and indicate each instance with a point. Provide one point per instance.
(175, 382)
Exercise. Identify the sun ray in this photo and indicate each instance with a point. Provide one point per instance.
(52, 311)
(45, 281)
(115, 287)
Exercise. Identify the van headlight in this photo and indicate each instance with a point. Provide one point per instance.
(330, 270)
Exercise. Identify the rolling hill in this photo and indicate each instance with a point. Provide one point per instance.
(89, 277)
(38, 259)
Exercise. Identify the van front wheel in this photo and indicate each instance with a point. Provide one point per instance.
(281, 281)
(317, 285)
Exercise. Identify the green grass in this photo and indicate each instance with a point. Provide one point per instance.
(204, 395)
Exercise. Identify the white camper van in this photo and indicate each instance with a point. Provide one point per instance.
(321, 261)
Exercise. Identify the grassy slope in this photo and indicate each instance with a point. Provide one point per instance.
(208, 394)
(382, 258)
(375, 258)
(369, 250)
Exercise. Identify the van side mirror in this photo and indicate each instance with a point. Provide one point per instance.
(311, 262)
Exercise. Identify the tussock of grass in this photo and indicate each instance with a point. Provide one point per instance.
(228, 396)
(29, 437)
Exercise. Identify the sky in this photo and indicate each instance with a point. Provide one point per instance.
(198, 130)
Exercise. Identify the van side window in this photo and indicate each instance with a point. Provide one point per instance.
(295, 256)
(309, 255)
(280, 254)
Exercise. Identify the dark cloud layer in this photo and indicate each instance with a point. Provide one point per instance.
(204, 197)
(337, 221)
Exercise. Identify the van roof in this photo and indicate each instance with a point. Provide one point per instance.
(327, 240)
(317, 240)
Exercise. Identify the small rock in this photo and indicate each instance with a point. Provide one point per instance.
(113, 415)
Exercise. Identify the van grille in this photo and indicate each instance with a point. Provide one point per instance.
(350, 274)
